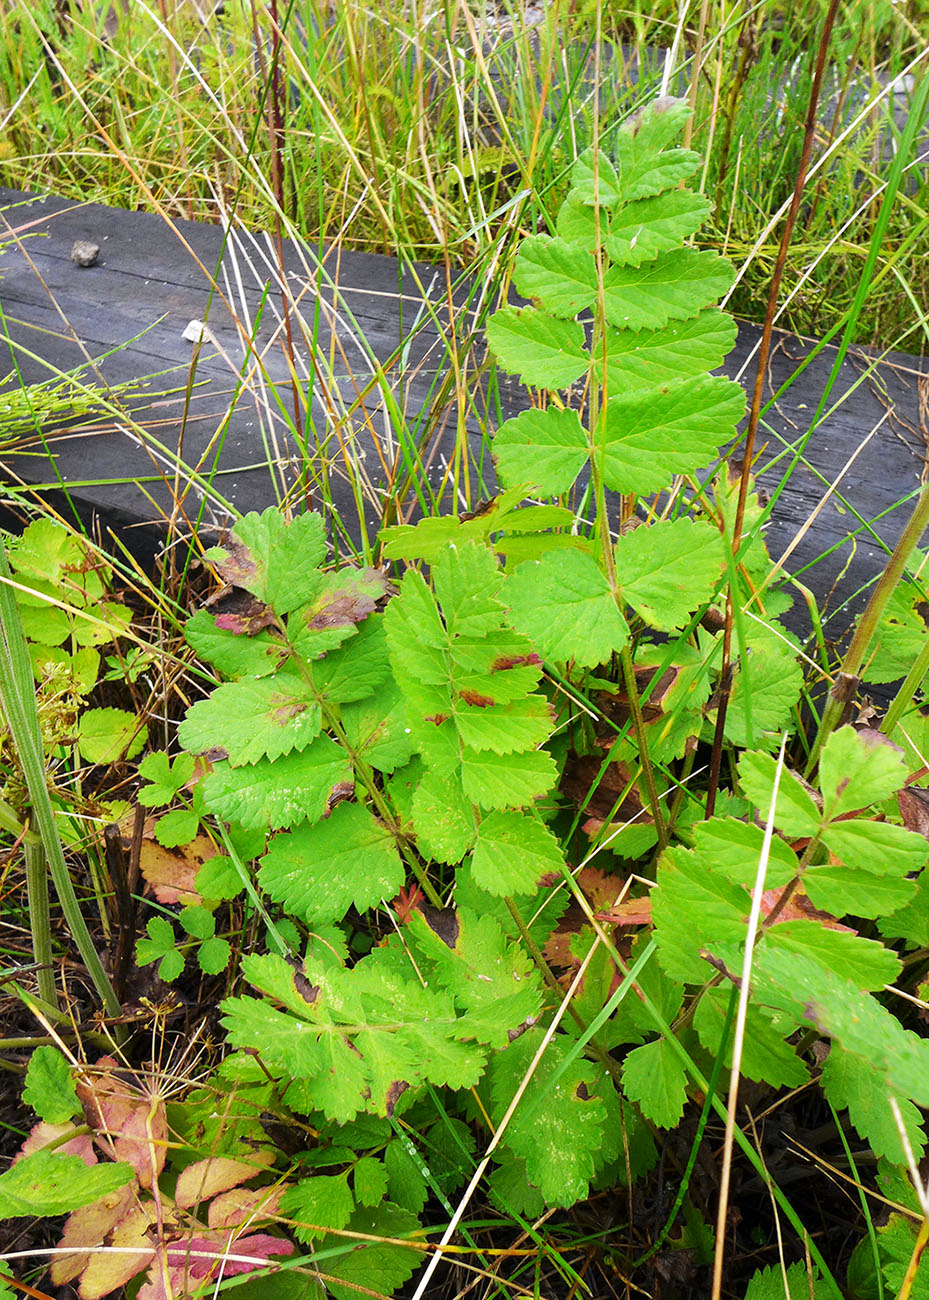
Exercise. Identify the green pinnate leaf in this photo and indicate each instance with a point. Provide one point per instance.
(558, 1125)
(796, 812)
(318, 872)
(513, 852)
(851, 1082)
(506, 780)
(232, 653)
(644, 163)
(165, 778)
(765, 1057)
(443, 817)
(545, 351)
(671, 430)
(294, 788)
(561, 276)
(647, 358)
(868, 963)
(639, 231)
(254, 719)
(545, 449)
(673, 286)
(50, 1089)
(857, 769)
(564, 604)
(594, 181)
(492, 980)
(275, 560)
(654, 1078)
(48, 1183)
(318, 1203)
(694, 908)
(669, 570)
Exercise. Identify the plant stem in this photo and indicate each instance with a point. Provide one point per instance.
(39, 915)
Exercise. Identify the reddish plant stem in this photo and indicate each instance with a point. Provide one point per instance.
(758, 390)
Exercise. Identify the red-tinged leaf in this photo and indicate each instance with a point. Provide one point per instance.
(204, 1178)
(347, 597)
(606, 797)
(130, 1123)
(108, 1270)
(799, 908)
(88, 1227)
(244, 1205)
(41, 1134)
(172, 872)
(182, 1267)
(913, 802)
(240, 612)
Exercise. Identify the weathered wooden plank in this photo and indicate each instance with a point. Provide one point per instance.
(151, 277)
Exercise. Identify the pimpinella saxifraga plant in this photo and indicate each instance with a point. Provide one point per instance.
(446, 757)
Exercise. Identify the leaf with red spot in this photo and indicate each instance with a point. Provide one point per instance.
(278, 562)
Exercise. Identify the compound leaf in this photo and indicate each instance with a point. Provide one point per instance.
(668, 570)
(564, 604)
(547, 449)
(318, 872)
(562, 276)
(513, 852)
(674, 429)
(545, 351)
(673, 286)
(294, 788)
(253, 719)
